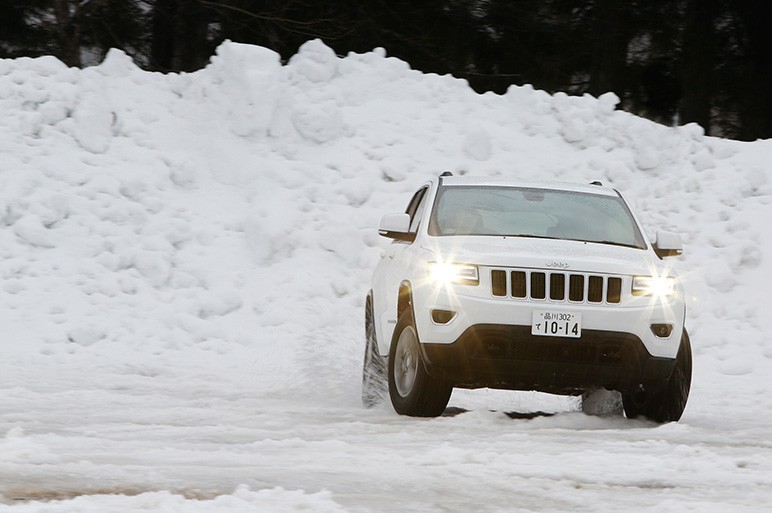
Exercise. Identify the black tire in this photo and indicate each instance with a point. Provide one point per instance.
(412, 390)
(666, 404)
(374, 380)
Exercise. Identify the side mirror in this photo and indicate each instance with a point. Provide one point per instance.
(668, 244)
(396, 226)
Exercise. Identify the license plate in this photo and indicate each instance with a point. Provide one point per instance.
(556, 324)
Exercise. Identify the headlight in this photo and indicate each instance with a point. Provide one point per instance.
(653, 286)
(445, 273)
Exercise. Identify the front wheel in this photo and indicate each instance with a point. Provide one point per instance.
(666, 404)
(412, 390)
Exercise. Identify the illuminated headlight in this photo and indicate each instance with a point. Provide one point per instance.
(653, 286)
(442, 272)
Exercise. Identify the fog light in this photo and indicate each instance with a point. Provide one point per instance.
(662, 330)
(442, 316)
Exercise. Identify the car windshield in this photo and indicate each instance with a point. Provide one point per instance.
(529, 212)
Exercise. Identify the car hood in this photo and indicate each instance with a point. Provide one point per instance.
(534, 253)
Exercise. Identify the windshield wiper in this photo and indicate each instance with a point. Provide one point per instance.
(609, 242)
(530, 236)
(613, 243)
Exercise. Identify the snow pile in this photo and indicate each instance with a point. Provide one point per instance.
(222, 223)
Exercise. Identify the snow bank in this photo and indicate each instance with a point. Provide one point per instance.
(226, 218)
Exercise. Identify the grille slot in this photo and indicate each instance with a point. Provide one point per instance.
(499, 283)
(538, 286)
(595, 289)
(518, 284)
(576, 287)
(614, 290)
(556, 286)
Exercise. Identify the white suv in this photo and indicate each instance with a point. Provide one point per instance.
(524, 286)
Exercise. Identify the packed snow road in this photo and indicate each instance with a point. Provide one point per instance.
(203, 433)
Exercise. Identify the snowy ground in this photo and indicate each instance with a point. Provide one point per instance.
(183, 263)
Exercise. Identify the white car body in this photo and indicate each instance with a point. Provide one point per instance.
(605, 313)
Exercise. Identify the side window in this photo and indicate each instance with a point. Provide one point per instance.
(415, 217)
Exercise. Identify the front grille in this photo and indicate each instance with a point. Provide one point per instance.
(556, 286)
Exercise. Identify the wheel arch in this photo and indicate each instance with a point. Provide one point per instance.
(405, 297)
(385, 333)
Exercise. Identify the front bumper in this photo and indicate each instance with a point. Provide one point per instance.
(509, 357)
(475, 306)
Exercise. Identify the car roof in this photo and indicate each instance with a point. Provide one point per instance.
(469, 181)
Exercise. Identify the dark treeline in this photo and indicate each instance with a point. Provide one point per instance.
(673, 61)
